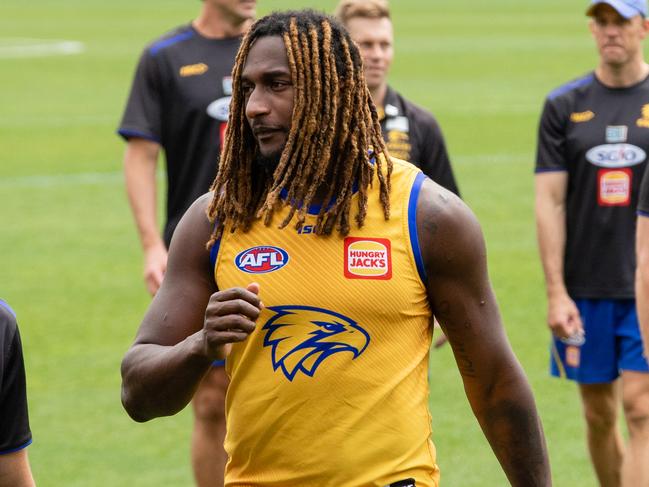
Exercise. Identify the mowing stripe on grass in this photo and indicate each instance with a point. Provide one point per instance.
(20, 47)
(52, 180)
(81, 179)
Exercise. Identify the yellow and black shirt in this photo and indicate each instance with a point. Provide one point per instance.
(412, 134)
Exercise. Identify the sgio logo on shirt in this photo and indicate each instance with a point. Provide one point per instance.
(368, 258)
(616, 155)
(259, 260)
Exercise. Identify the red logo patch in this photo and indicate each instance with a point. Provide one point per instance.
(614, 187)
(368, 258)
(222, 128)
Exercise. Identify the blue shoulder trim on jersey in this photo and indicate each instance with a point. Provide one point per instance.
(218, 363)
(643, 213)
(130, 134)
(571, 85)
(6, 306)
(550, 169)
(315, 208)
(412, 225)
(214, 251)
(14, 450)
(183, 36)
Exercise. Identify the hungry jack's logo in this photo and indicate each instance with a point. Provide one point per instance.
(368, 258)
(614, 187)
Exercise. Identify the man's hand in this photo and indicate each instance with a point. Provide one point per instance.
(229, 318)
(155, 266)
(563, 317)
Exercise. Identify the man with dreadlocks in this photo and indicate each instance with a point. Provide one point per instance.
(350, 253)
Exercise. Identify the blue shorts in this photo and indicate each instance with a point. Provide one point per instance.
(612, 343)
(218, 363)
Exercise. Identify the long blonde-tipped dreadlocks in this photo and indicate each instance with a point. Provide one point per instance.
(335, 139)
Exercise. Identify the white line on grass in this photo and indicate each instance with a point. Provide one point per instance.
(82, 179)
(13, 48)
(493, 158)
(55, 180)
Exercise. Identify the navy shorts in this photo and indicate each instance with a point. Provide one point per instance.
(611, 343)
(218, 363)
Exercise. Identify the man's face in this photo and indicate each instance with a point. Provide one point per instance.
(618, 39)
(268, 91)
(237, 10)
(374, 38)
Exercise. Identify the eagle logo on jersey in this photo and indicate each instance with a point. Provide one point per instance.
(302, 337)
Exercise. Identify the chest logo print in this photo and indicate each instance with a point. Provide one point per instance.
(262, 259)
(644, 120)
(581, 117)
(220, 109)
(368, 258)
(614, 187)
(193, 70)
(616, 155)
(301, 338)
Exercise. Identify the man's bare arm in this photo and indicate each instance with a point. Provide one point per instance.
(464, 303)
(185, 327)
(550, 208)
(15, 470)
(642, 279)
(140, 162)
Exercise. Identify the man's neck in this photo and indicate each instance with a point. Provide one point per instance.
(378, 94)
(622, 76)
(213, 24)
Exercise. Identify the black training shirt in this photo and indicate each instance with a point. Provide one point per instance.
(412, 134)
(600, 136)
(14, 422)
(180, 98)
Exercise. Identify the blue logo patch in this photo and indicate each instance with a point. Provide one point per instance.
(302, 337)
(259, 260)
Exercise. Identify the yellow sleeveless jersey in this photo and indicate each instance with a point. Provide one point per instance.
(331, 389)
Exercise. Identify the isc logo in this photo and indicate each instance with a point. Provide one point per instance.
(259, 260)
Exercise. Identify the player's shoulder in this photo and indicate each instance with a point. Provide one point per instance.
(198, 209)
(572, 88)
(446, 225)
(171, 38)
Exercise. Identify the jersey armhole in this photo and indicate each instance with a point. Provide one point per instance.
(412, 226)
(214, 255)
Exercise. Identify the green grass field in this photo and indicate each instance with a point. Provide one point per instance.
(71, 263)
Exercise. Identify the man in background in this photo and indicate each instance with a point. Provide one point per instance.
(179, 103)
(593, 144)
(15, 435)
(410, 132)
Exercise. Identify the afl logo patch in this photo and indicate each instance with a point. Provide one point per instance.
(259, 260)
(368, 258)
